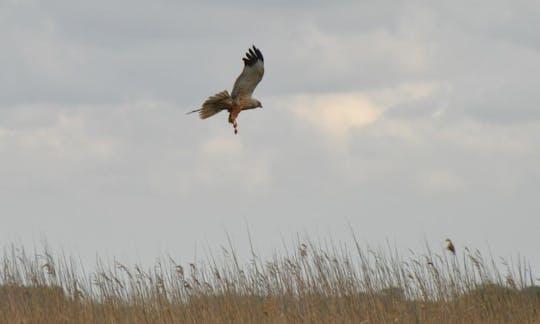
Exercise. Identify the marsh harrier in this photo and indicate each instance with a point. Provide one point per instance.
(240, 98)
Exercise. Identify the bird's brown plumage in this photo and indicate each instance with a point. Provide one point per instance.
(240, 97)
(216, 103)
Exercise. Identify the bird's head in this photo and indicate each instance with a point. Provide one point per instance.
(251, 104)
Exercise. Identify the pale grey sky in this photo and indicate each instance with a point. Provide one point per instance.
(408, 120)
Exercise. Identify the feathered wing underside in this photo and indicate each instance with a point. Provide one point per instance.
(214, 104)
(251, 75)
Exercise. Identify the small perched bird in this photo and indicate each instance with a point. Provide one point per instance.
(240, 98)
(450, 246)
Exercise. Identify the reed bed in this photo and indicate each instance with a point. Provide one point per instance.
(308, 283)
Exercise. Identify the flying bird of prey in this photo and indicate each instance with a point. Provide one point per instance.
(240, 98)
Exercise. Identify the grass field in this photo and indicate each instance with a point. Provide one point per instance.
(308, 284)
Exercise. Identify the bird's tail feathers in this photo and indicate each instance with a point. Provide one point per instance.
(214, 104)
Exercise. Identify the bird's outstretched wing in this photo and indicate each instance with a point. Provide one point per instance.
(251, 74)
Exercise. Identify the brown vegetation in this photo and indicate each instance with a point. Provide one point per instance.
(309, 285)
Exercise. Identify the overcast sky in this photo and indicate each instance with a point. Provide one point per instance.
(410, 121)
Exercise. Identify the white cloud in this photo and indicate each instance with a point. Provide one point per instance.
(223, 160)
(65, 138)
(485, 137)
(336, 114)
(220, 146)
(406, 92)
(341, 53)
(441, 181)
(408, 89)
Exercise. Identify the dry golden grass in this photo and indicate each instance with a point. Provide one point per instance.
(309, 284)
